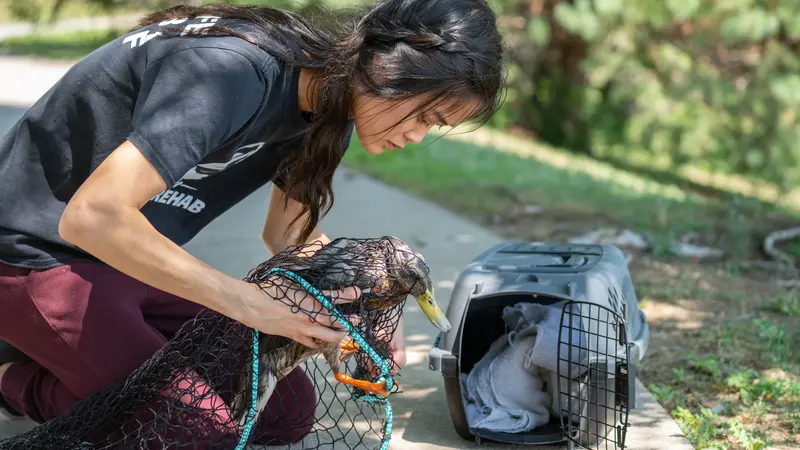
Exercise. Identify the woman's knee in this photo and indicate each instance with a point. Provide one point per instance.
(82, 324)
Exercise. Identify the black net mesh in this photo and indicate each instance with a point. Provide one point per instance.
(196, 392)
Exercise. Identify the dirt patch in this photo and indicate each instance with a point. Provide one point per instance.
(556, 225)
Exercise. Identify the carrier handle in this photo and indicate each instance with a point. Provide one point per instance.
(573, 262)
(442, 361)
(530, 284)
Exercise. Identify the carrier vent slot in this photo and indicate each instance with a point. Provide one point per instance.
(564, 261)
(547, 249)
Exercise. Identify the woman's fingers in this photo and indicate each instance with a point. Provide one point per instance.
(314, 321)
(345, 295)
(307, 341)
(307, 331)
(327, 334)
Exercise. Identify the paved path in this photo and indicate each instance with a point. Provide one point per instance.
(449, 242)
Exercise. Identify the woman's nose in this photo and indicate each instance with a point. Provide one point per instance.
(417, 134)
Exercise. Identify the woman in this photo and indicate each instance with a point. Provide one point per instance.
(149, 138)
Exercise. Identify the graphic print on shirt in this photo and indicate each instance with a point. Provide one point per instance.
(191, 203)
(192, 28)
(199, 27)
(204, 170)
(140, 38)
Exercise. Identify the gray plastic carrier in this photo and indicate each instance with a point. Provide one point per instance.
(602, 337)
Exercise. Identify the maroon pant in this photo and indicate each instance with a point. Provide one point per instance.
(88, 326)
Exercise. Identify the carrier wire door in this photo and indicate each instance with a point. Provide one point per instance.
(594, 374)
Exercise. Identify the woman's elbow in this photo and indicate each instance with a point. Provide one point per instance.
(78, 219)
(273, 241)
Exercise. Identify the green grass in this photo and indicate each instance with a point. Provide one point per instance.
(478, 180)
(71, 9)
(739, 385)
(67, 46)
(750, 371)
(787, 304)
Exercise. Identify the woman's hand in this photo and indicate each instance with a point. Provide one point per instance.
(271, 311)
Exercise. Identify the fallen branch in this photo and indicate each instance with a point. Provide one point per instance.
(781, 256)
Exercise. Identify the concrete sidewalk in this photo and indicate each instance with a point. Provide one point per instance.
(365, 208)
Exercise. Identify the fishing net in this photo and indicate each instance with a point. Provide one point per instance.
(197, 392)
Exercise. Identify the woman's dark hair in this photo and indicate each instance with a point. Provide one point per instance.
(394, 49)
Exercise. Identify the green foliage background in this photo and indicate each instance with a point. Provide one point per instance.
(660, 83)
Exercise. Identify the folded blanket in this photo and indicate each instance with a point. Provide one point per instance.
(545, 322)
(511, 388)
(501, 394)
(573, 397)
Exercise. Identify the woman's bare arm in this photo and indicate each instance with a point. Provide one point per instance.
(277, 234)
(103, 218)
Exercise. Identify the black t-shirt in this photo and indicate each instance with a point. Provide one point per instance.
(214, 115)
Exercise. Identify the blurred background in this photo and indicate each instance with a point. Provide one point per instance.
(666, 127)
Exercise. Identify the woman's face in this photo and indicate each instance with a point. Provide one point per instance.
(389, 125)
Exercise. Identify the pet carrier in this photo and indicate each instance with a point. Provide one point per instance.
(545, 342)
